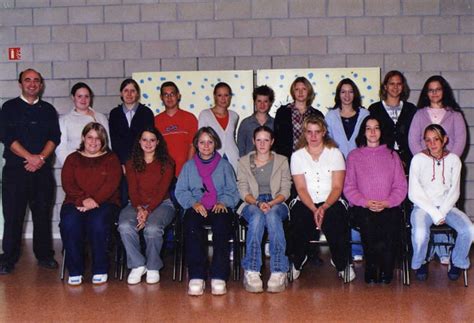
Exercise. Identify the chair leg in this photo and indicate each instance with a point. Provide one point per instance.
(62, 273)
(465, 277)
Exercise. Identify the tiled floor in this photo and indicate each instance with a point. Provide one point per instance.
(35, 294)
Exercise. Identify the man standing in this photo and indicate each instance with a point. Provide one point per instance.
(30, 134)
(177, 126)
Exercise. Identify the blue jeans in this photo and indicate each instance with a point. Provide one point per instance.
(420, 235)
(357, 249)
(75, 225)
(257, 222)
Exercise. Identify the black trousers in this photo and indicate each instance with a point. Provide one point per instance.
(335, 227)
(380, 233)
(19, 189)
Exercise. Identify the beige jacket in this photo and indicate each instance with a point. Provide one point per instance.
(280, 182)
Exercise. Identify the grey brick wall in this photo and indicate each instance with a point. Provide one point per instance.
(104, 41)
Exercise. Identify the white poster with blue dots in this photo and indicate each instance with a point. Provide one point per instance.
(324, 81)
(196, 88)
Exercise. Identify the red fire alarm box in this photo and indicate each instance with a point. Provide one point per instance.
(14, 54)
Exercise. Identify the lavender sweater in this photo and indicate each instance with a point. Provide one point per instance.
(453, 123)
(374, 174)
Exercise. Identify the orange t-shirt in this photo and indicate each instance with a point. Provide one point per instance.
(178, 132)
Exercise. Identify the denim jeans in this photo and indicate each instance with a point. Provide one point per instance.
(357, 249)
(420, 235)
(153, 232)
(257, 222)
(75, 225)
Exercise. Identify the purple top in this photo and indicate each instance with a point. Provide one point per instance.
(453, 123)
(374, 174)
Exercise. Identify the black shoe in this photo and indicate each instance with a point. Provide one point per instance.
(48, 263)
(386, 278)
(422, 272)
(370, 275)
(6, 269)
(453, 272)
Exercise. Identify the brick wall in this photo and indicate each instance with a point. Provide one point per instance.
(104, 41)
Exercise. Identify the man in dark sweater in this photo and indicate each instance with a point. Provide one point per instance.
(30, 132)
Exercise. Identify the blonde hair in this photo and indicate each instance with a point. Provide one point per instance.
(328, 142)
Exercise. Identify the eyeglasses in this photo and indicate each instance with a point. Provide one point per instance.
(169, 95)
(433, 91)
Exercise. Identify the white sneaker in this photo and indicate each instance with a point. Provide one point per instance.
(358, 258)
(135, 275)
(352, 274)
(297, 272)
(152, 276)
(99, 279)
(74, 280)
(267, 249)
(277, 282)
(252, 282)
(218, 287)
(444, 260)
(196, 287)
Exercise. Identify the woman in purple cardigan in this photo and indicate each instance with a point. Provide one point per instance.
(437, 105)
(375, 186)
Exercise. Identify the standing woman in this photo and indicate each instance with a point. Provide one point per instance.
(345, 118)
(318, 171)
(375, 186)
(126, 122)
(344, 122)
(264, 182)
(437, 105)
(395, 114)
(207, 189)
(90, 178)
(149, 175)
(434, 188)
(223, 121)
(289, 118)
(72, 123)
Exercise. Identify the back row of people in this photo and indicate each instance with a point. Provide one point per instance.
(289, 128)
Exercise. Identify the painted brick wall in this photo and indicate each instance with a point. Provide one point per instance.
(104, 41)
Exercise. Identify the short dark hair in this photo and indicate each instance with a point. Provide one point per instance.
(30, 70)
(81, 85)
(169, 84)
(264, 90)
(356, 103)
(405, 91)
(265, 129)
(212, 133)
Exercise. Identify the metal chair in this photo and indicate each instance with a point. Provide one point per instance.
(449, 232)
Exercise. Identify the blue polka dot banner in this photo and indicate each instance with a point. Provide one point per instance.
(196, 88)
(324, 81)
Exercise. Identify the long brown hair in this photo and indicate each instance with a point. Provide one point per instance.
(101, 132)
(328, 142)
(161, 152)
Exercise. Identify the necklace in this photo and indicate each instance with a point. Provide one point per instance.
(438, 160)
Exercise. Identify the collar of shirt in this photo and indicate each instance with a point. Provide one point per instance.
(81, 114)
(125, 110)
(24, 99)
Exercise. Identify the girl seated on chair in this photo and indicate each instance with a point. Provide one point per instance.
(318, 171)
(207, 189)
(264, 182)
(434, 188)
(375, 186)
(149, 175)
(90, 179)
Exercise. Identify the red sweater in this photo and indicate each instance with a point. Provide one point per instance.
(150, 187)
(95, 177)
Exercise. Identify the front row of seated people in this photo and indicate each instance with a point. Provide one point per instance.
(373, 183)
